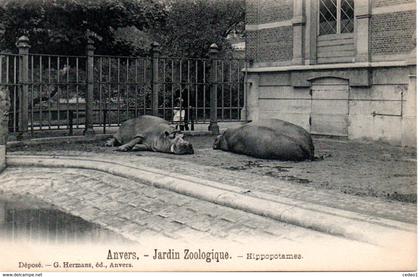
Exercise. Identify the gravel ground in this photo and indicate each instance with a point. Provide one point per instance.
(356, 168)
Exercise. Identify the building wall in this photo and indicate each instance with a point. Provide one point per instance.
(381, 77)
(392, 28)
(387, 3)
(384, 110)
(269, 30)
(391, 33)
(269, 39)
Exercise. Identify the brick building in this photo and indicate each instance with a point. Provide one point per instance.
(335, 67)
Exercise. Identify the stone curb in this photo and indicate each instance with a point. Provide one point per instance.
(328, 220)
(57, 140)
(81, 139)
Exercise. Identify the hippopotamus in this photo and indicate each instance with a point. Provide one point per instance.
(270, 139)
(150, 133)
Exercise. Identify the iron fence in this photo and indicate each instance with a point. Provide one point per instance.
(50, 92)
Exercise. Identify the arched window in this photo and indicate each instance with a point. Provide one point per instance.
(336, 16)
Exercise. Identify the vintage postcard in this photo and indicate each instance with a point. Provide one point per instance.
(208, 135)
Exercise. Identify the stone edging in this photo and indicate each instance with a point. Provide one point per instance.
(81, 139)
(57, 140)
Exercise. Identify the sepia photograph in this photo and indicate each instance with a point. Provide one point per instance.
(208, 136)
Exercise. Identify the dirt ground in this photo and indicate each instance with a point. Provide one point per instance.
(363, 169)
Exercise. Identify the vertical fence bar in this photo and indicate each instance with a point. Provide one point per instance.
(48, 91)
(101, 108)
(32, 95)
(23, 45)
(230, 90)
(118, 91)
(136, 80)
(180, 98)
(14, 93)
(127, 102)
(58, 93)
(213, 127)
(244, 115)
(187, 115)
(67, 72)
(223, 89)
(109, 90)
(164, 88)
(196, 90)
(204, 91)
(238, 84)
(40, 94)
(217, 85)
(144, 85)
(172, 86)
(155, 77)
(89, 99)
(77, 92)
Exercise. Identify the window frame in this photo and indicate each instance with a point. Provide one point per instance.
(338, 19)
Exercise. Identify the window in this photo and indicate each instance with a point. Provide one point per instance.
(336, 16)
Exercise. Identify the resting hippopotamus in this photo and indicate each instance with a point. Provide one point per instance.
(150, 133)
(271, 139)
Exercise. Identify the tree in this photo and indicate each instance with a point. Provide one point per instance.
(60, 26)
(191, 26)
(121, 27)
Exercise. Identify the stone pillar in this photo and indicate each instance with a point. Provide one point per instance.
(244, 110)
(23, 46)
(213, 127)
(90, 48)
(298, 23)
(154, 52)
(4, 120)
(252, 84)
(362, 14)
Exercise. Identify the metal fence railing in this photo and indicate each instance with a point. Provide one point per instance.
(9, 68)
(50, 92)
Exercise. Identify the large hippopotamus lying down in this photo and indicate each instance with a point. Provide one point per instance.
(271, 139)
(150, 133)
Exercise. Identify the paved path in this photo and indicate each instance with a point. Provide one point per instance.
(139, 211)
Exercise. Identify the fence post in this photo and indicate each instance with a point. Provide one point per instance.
(213, 127)
(155, 77)
(90, 48)
(4, 124)
(23, 46)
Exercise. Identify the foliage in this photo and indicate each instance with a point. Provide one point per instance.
(137, 41)
(191, 26)
(60, 26)
(124, 27)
